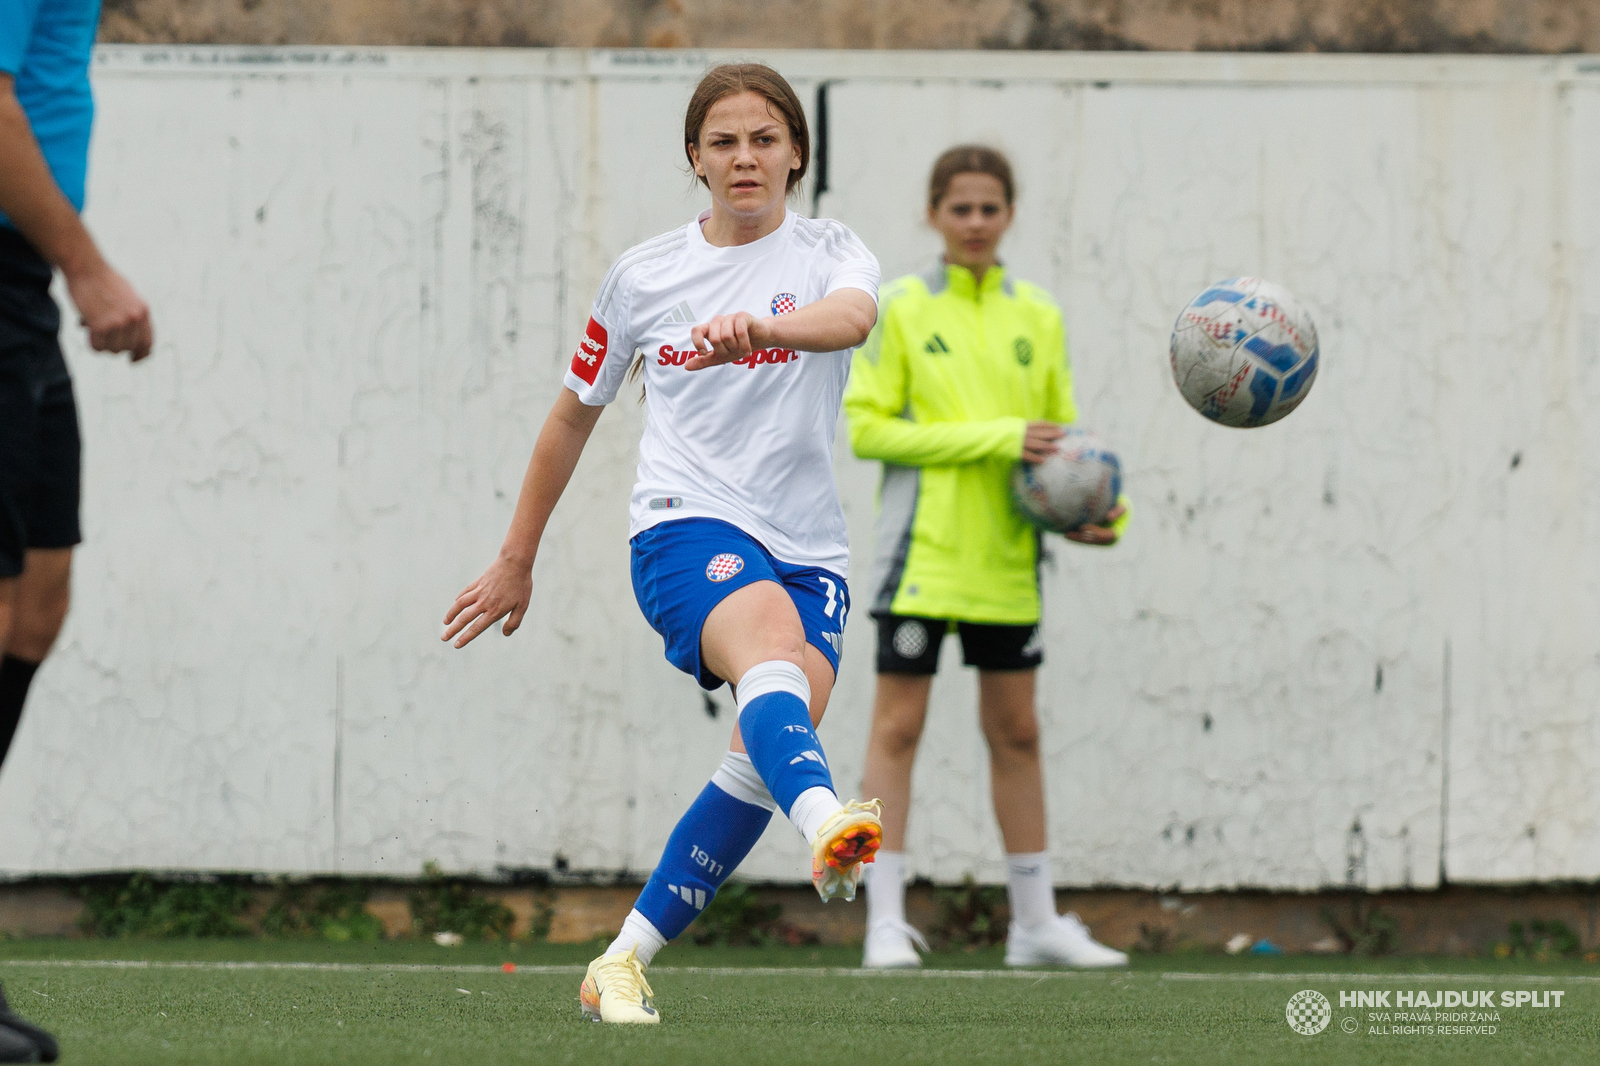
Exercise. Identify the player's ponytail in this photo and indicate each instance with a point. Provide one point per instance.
(730, 79)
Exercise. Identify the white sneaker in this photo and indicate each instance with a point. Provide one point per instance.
(1063, 942)
(892, 945)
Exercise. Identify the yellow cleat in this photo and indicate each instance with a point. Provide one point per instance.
(845, 842)
(614, 990)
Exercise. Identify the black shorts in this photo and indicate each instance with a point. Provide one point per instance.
(910, 645)
(39, 448)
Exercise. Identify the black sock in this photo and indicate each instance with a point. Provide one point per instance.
(15, 677)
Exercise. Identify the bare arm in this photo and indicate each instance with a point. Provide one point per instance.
(117, 319)
(834, 323)
(507, 586)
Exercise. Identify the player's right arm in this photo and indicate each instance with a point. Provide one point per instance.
(598, 369)
(878, 397)
(506, 588)
(117, 319)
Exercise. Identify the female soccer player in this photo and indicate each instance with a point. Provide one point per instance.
(738, 540)
(965, 373)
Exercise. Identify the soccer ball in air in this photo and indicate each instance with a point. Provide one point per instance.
(1244, 352)
(1075, 487)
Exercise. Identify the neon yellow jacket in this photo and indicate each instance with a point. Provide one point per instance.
(942, 392)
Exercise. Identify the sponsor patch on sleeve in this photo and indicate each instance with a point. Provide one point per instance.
(591, 352)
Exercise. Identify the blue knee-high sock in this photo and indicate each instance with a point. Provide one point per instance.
(710, 840)
(775, 722)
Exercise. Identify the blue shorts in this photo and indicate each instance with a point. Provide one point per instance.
(684, 568)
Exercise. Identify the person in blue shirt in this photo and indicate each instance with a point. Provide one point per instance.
(46, 110)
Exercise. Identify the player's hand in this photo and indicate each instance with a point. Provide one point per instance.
(1101, 535)
(725, 339)
(117, 319)
(1039, 442)
(506, 588)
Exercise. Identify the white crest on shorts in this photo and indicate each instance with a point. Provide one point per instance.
(722, 567)
(910, 640)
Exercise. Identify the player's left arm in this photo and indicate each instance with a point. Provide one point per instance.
(1064, 409)
(837, 322)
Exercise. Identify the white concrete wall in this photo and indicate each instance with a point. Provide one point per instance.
(369, 268)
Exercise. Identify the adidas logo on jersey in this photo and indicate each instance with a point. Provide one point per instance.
(936, 346)
(814, 756)
(667, 355)
(694, 897)
(682, 314)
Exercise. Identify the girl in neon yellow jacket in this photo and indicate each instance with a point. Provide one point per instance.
(965, 373)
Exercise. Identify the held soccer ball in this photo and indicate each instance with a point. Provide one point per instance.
(1244, 352)
(1073, 488)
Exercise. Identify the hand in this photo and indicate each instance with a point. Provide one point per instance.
(1039, 442)
(117, 319)
(1101, 535)
(505, 588)
(726, 338)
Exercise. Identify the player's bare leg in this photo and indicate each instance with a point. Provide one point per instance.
(757, 631)
(1016, 780)
(39, 608)
(32, 609)
(899, 710)
(1038, 936)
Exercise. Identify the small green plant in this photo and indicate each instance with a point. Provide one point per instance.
(441, 905)
(544, 913)
(1541, 941)
(336, 911)
(970, 915)
(140, 905)
(1367, 930)
(736, 916)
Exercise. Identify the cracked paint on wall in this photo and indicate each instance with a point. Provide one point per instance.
(368, 273)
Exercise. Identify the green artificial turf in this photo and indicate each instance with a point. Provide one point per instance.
(390, 1005)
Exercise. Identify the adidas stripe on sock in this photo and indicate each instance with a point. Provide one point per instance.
(775, 723)
(708, 843)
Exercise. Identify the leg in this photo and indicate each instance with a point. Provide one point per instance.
(755, 640)
(38, 606)
(1038, 936)
(43, 593)
(899, 708)
(8, 594)
(1005, 709)
(757, 635)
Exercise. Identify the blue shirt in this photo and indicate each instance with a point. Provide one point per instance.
(45, 45)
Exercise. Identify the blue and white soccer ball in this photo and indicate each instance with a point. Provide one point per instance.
(1244, 352)
(1075, 487)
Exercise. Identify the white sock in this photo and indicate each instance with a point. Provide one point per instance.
(774, 675)
(738, 778)
(1033, 896)
(637, 933)
(886, 888)
(813, 807)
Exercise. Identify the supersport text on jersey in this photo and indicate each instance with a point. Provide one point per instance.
(749, 442)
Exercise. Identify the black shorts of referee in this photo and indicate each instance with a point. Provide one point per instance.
(910, 645)
(39, 445)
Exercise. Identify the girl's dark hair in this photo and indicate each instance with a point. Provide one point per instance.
(969, 159)
(732, 78)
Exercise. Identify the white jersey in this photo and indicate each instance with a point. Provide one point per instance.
(750, 443)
